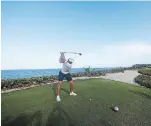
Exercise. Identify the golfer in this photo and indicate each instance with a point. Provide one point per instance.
(65, 73)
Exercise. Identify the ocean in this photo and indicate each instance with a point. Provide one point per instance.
(14, 74)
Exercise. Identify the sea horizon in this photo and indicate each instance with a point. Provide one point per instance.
(56, 68)
(28, 73)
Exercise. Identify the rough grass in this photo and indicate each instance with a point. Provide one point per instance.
(145, 71)
(38, 107)
(145, 78)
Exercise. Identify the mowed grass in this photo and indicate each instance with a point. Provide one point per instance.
(38, 107)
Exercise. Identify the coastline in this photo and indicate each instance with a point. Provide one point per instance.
(127, 77)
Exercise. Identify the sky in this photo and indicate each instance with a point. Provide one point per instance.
(108, 34)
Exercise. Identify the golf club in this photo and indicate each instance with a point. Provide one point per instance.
(72, 52)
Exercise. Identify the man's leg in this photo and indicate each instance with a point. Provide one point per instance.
(59, 87)
(69, 79)
(71, 88)
(60, 78)
(71, 85)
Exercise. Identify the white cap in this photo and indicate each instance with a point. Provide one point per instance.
(71, 60)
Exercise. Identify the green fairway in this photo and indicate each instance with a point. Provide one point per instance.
(38, 107)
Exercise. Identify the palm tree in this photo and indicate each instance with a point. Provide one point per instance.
(88, 70)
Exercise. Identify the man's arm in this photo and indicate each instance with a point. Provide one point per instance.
(62, 58)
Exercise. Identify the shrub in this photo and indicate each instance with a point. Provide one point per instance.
(145, 71)
(143, 80)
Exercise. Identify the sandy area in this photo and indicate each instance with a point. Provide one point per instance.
(128, 77)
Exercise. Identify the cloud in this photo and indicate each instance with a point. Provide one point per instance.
(117, 55)
(105, 55)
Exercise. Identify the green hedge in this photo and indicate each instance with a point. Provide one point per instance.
(145, 71)
(143, 80)
(26, 82)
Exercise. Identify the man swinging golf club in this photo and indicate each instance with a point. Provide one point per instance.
(65, 73)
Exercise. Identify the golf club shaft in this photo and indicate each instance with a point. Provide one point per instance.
(72, 52)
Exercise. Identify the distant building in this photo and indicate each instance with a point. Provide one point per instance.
(141, 65)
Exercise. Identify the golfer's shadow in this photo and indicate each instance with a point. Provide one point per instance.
(54, 89)
(59, 117)
(62, 89)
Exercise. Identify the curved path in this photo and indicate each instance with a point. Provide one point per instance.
(128, 76)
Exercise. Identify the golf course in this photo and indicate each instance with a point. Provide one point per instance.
(93, 106)
(75, 63)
